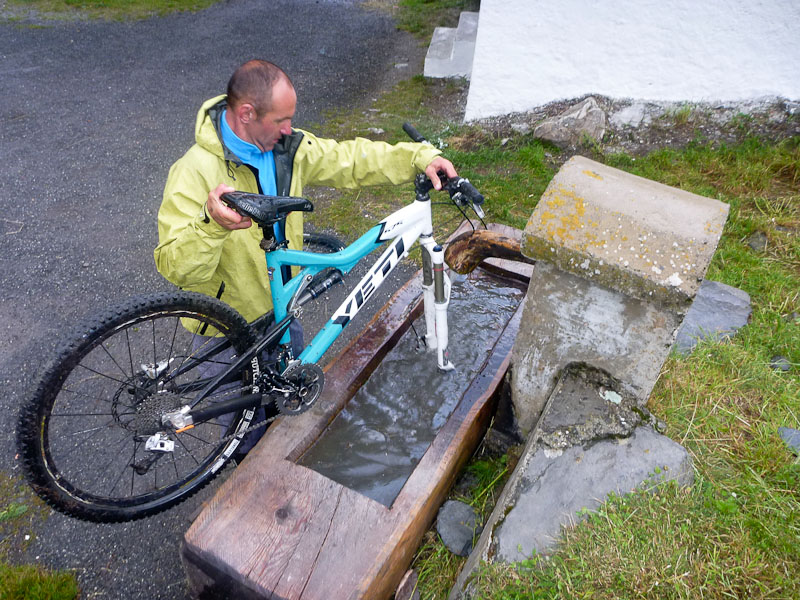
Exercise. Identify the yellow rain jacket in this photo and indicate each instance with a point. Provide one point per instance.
(195, 253)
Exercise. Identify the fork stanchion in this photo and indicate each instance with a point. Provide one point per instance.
(441, 285)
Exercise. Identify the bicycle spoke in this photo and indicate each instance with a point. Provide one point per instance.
(188, 452)
(120, 381)
(130, 351)
(95, 398)
(122, 471)
(114, 360)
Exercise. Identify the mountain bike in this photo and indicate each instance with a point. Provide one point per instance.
(146, 402)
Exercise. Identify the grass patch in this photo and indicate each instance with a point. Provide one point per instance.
(420, 17)
(106, 9)
(33, 583)
(20, 511)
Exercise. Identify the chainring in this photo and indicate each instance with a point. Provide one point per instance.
(307, 381)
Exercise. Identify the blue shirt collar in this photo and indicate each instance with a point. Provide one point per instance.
(247, 152)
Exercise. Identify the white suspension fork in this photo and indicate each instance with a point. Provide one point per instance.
(436, 298)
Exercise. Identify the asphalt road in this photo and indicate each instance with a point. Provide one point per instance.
(92, 115)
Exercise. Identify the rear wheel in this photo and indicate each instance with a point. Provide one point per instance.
(322, 242)
(92, 439)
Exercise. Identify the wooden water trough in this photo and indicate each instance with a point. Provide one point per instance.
(276, 529)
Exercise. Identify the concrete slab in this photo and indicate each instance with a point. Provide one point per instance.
(630, 234)
(451, 50)
(570, 319)
(717, 312)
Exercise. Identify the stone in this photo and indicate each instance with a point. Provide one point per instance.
(407, 590)
(630, 116)
(585, 119)
(791, 437)
(717, 312)
(758, 241)
(780, 363)
(521, 127)
(457, 525)
(558, 489)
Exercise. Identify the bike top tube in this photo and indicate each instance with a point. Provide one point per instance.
(404, 226)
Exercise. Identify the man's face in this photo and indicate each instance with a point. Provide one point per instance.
(265, 130)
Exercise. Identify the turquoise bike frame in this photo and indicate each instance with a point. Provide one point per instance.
(401, 229)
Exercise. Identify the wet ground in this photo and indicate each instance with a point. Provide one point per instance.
(92, 115)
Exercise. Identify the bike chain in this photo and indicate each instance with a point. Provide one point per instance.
(265, 421)
(252, 427)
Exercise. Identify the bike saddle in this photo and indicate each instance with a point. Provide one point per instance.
(265, 210)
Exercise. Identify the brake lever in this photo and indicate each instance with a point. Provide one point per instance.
(462, 192)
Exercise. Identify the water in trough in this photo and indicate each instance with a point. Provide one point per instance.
(374, 444)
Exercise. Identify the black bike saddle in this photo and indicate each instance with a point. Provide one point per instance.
(265, 210)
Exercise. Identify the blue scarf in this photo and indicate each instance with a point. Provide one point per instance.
(251, 155)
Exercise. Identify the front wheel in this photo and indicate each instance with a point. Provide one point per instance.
(92, 438)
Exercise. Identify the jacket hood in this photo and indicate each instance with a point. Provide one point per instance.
(207, 128)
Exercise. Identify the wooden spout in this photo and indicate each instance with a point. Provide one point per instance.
(468, 250)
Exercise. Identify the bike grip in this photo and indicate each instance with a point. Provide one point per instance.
(413, 133)
(471, 192)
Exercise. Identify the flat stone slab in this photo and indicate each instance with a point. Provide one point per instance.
(791, 437)
(557, 486)
(717, 312)
(642, 238)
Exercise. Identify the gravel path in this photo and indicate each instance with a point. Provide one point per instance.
(92, 116)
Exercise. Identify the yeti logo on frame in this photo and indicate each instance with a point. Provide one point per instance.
(369, 284)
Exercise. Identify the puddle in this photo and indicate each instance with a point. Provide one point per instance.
(375, 443)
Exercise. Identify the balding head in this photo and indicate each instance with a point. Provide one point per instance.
(253, 83)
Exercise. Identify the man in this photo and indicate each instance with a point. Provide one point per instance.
(245, 141)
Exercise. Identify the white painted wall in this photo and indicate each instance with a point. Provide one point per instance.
(531, 52)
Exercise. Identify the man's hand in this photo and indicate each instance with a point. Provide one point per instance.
(439, 164)
(222, 213)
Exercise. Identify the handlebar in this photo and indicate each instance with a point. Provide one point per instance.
(461, 191)
(413, 133)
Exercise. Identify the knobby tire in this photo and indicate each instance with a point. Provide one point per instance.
(81, 436)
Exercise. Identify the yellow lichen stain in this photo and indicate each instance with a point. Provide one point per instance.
(572, 205)
(547, 216)
(593, 174)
